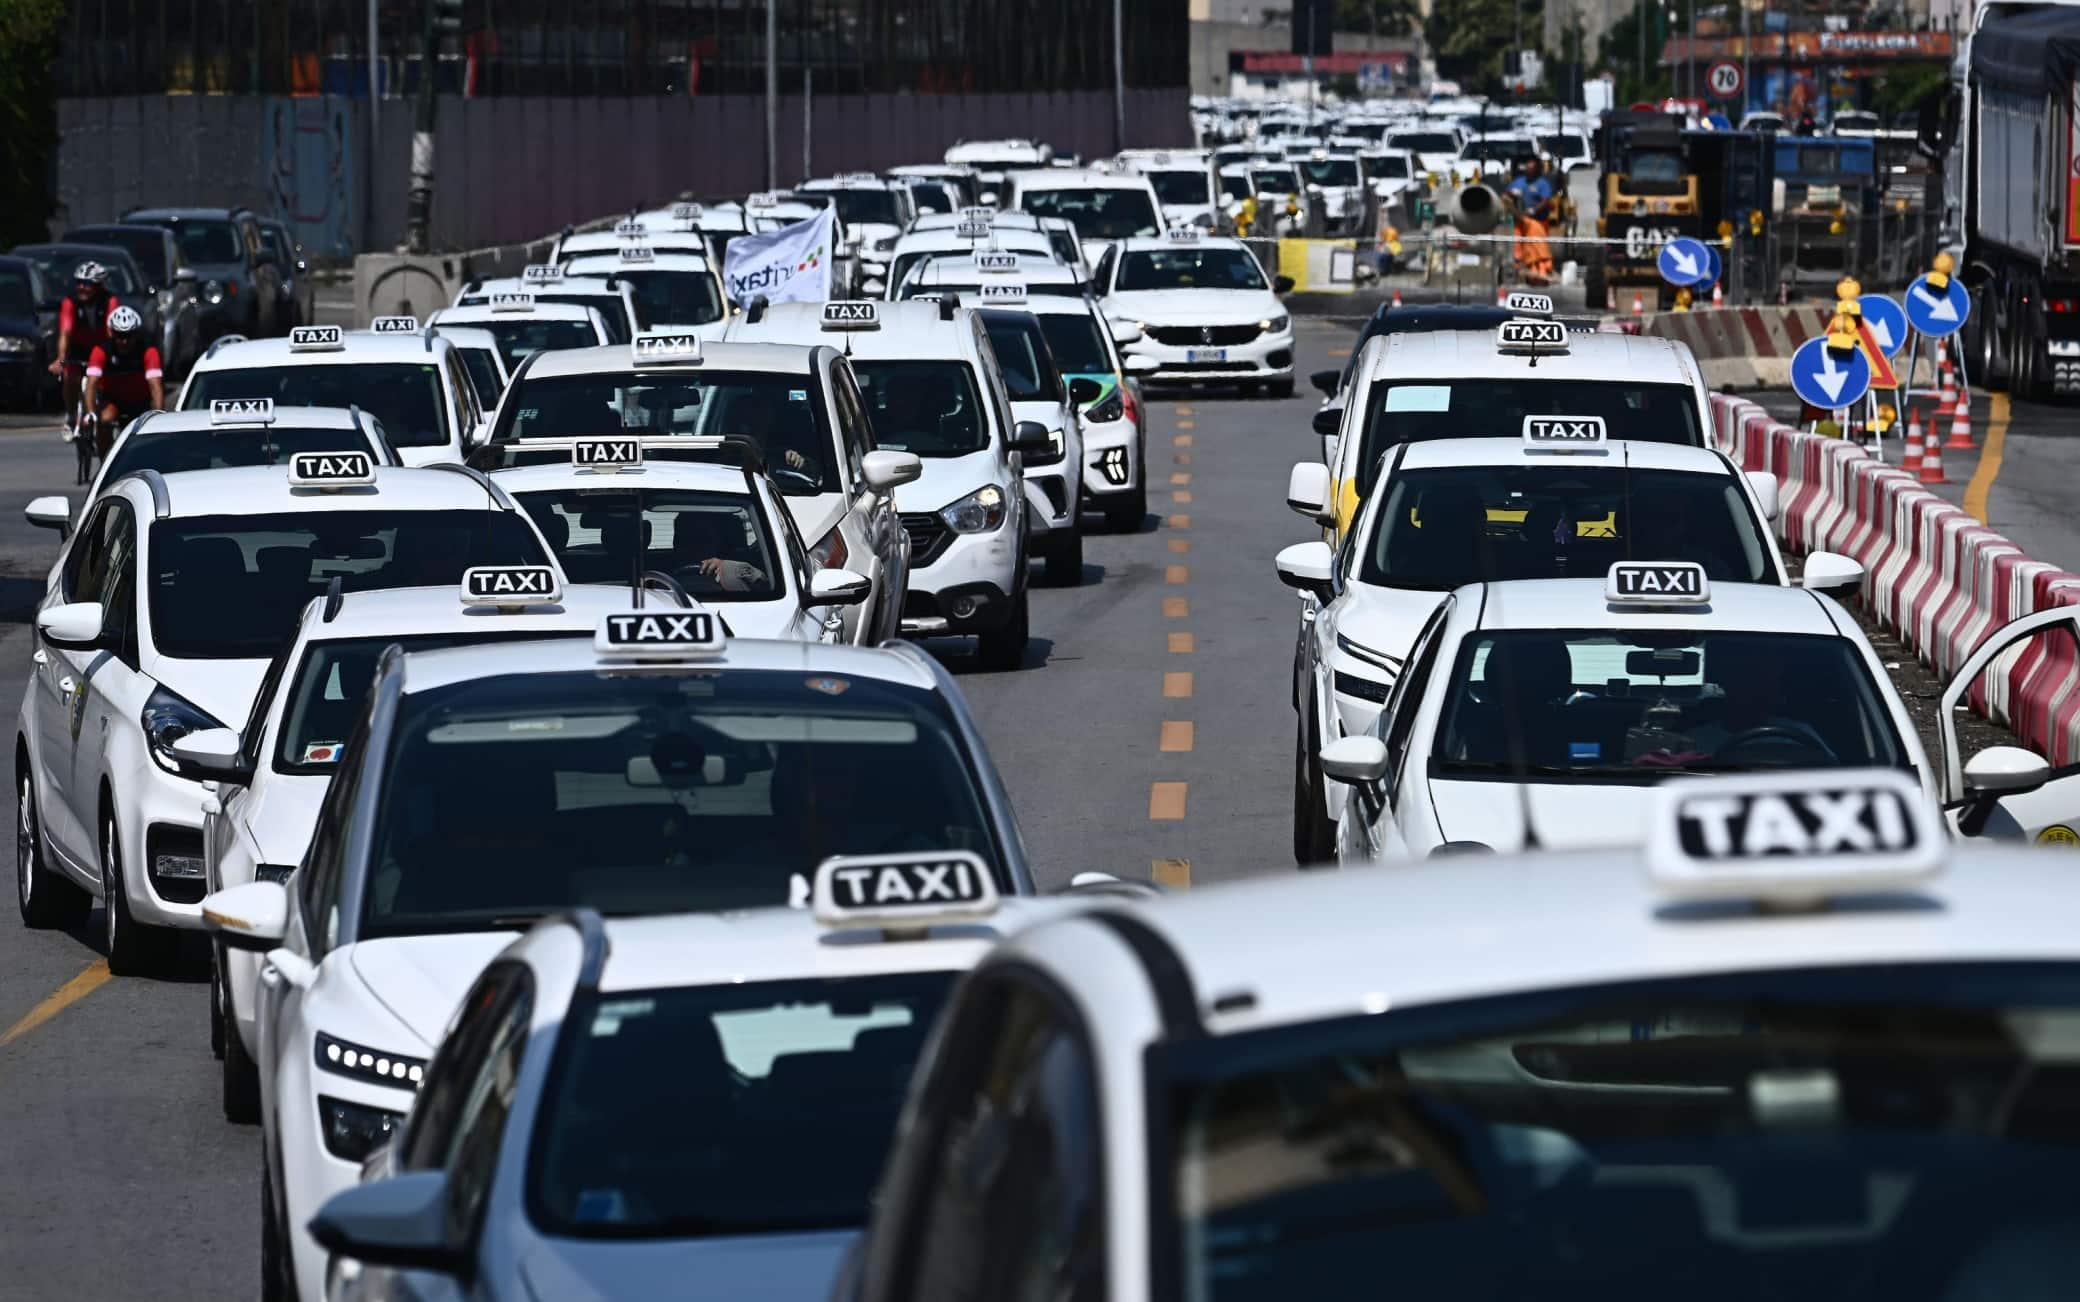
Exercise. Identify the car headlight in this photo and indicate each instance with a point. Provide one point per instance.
(978, 512)
(213, 291)
(370, 1066)
(167, 718)
(885, 246)
(354, 1130)
(1272, 325)
(16, 344)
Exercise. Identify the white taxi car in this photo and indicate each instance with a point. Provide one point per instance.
(916, 246)
(671, 291)
(1798, 1040)
(657, 769)
(802, 408)
(978, 274)
(933, 388)
(641, 230)
(1206, 310)
(524, 325)
(610, 296)
(1061, 235)
(483, 359)
(992, 160)
(1183, 183)
(1105, 207)
(1104, 389)
(160, 620)
(414, 383)
(1041, 394)
(782, 1038)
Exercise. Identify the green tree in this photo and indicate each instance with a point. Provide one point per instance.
(1389, 17)
(1620, 50)
(1469, 37)
(29, 38)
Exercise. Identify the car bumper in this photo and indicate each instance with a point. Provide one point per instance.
(1053, 498)
(1111, 458)
(1267, 357)
(310, 1172)
(164, 873)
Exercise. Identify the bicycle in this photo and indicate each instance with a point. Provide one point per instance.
(86, 437)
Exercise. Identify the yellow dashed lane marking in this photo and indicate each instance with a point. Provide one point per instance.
(1177, 686)
(1180, 522)
(1184, 411)
(1166, 801)
(1181, 441)
(1181, 644)
(1183, 497)
(1177, 736)
(1188, 424)
(1183, 458)
(1175, 608)
(1180, 545)
(1171, 874)
(1180, 477)
(1339, 352)
(1174, 574)
(86, 983)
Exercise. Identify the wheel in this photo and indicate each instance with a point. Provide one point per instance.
(218, 1021)
(133, 948)
(277, 1280)
(1282, 388)
(1125, 513)
(241, 1076)
(1004, 648)
(47, 899)
(1314, 840)
(1065, 559)
(83, 455)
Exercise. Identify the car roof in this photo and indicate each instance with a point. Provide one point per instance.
(1145, 243)
(265, 490)
(707, 476)
(285, 417)
(409, 612)
(1475, 354)
(1273, 952)
(120, 226)
(358, 347)
(1075, 178)
(590, 285)
(148, 215)
(1581, 603)
(619, 359)
(430, 670)
(482, 313)
(948, 238)
(961, 267)
(1630, 454)
(908, 329)
(850, 181)
(581, 263)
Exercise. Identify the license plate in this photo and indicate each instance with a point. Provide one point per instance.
(1206, 354)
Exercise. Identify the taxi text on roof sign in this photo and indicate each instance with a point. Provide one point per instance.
(686, 212)
(996, 262)
(1527, 304)
(763, 199)
(1531, 335)
(1182, 234)
(659, 634)
(331, 469)
(1793, 837)
(851, 314)
(1656, 583)
(607, 454)
(1563, 433)
(541, 271)
(903, 890)
(629, 226)
(638, 253)
(394, 325)
(969, 229)
(677, 346)
(512, 300)
(978, 213)
(241, 411)
(510, 585)
(306, 339)
(1002, 291)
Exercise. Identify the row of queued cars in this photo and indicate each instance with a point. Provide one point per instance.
(196, 275)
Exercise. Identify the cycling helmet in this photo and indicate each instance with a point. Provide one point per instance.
(90, 273)
(124, 321)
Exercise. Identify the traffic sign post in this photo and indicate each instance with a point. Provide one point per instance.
(1725, 80)
(1825, 381)
(1684, 261)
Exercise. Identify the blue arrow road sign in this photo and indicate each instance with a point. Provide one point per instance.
(1717, 270)
(1888, 322)
(1934, 313)
(1823, 380)
(1684, 261)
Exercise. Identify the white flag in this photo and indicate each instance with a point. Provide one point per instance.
(792, 264)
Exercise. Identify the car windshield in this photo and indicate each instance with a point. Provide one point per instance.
(17, 295)
(1439, 529)
(145, 245)
(1641, 704)
(405, 396)
(1097, 213)
(1565, 146)
(1498, 149)
(612, 310)
(208, 241)
(782, 413)
(1186, 187)
(876, 207)
(1330, 171)
(931, 408)
(275, 241)
(1235, 187)
(58, 264)
(1494, 407)
(230, 587)
(715, 544)
(1424, 142)
(482, 367)
(1078, 346)
(1392, 167)
(1027, 363)
(1274, 180)
(521, 337)
(744, 1109)
(674, 298)
(169, 451)
(655, 793)
(1897, 1131)
(1188, 268)
(930, 196)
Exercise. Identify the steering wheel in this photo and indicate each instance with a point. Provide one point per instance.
(1770, 736)
(807, 479)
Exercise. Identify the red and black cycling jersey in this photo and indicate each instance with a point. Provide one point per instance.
(87, 322)
(124, 380)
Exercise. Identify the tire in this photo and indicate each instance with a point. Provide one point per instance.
(47, 899)
(277, 1277)
(1282, 388)
(1004, 648)
(1314, 840)
(133, 948)
(218, 1022)
(241, 1088)
(1125, 513)
(1596, 288)
(1065, 560)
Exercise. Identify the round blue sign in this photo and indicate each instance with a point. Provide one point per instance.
(1823, 380)
(1887, 321)
(1937, 313)
(1684, 261)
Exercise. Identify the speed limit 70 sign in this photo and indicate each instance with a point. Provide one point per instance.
(1724, 79)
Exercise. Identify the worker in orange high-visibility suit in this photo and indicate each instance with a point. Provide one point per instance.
(1531, 195)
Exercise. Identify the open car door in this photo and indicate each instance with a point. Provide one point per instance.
(2004, 792)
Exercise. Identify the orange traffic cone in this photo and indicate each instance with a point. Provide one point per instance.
(1397, 299)
(1718, 295)
(1639, 305)
(1501, 295)
(1961, 423)
(1946, 398)
(1910, 446)
(1932, 459)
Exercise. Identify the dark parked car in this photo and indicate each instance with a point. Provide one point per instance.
(299, 296)
(25, 345)
(126, 280)
(241, 288)
(168, 279)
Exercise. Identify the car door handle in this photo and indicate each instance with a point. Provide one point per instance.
(42, 657)
(66, 685)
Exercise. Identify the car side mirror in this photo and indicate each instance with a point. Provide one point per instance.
(1083, 392)
(1360, 761)
(1281, 284)
(1030, 436)
(399, 1222)
(839, 588)
(1326, 382)
(2005, 771)
(74, 626)
(1765, 485)
(253, 917)
(1327, 420)
(1831, 572)
(213, 755)
(50, 513)
(1308, 490)
(884, 470)
(1306, 567)
(1127, 332)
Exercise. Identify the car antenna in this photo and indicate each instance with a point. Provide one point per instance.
(1625, 451)
(635, 564)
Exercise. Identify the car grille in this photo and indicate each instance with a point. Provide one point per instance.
(1203, 336)
(929, 536)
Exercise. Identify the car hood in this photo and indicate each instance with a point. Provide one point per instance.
(1384, 620)
(761, 619)
(223, 688)
(280, 813)
(946, 480)
(420, 979)
(1566, 815)
(746, 1268)
(1194, 306)
(1439, 163)
(873, 233)
(207, 271)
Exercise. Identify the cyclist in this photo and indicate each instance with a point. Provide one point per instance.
(125, 378)
(82, 325)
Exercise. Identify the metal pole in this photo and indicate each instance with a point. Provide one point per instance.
(375, 70)
(808, 118)
(418, 213)
(1746, 89)
(772, 94)
(1119, 78)
(1690, 52)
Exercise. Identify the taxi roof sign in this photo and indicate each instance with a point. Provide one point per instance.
(394, 325)
(903, 892)
(996, 260)
(970, 229)
(686, 212)
(317, 339)
(536, 272)
(1523, 303)
(662, 346)
(1531, 336)
(328, 470)
(1657, 583)
(665, 633)
(510, 587)
(1002, 291)
(630, 226)
(978, 213)
(512, 300)
(851, 314)
(761, 199)
(638, 253)
(1565, 433)
(1182, 235)
(608, 455)
(1793, 838)
(241, 411)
